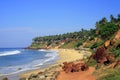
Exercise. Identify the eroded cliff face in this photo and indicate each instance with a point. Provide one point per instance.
(117, 36)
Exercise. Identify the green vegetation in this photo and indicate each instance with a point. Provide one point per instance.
(104, 30)
(116, 51)
(93, 38)
(107, 30)
(92, 63)
(70, 40)
(79, 43)
(110, 74)
(97, 44)
(71, 44)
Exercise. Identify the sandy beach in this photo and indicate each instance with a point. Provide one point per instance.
(68, 55)
(64, 55)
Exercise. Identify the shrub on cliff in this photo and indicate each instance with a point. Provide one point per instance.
(115, 51)
(107, 30)
(79, 43)
(97, 44)
(109, 74)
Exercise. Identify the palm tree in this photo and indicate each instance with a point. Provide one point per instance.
(112, 19)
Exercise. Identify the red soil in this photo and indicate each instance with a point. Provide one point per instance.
(82, 75)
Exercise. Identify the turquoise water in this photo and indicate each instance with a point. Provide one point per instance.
(16, 60)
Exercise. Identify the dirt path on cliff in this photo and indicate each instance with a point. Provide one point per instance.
(83, 75)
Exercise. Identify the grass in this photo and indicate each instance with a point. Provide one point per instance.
(109, 74)
(71, 44)
(92, 63)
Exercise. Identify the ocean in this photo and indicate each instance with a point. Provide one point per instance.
(15, 60)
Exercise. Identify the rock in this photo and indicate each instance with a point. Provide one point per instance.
(103, 57)
(67, 67)
(56, 74)
(5, 78)
(22, 79)
(19, 68)
(40, 73)
(111, 57)
(48, 74)
(50, 78)
(42, 76)
(32, 76)
(74, 67)
(107, 43)
(84, 67)
(117, 36)
(100, 55)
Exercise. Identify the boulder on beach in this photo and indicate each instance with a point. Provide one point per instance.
(74, 67)
(19, 68)
(32, 76)
(5, 78)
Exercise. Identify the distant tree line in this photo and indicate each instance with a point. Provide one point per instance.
(104, 29)
(83, 35)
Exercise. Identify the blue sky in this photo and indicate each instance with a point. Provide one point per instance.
(22, 20)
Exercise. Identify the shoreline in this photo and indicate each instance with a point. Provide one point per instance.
(64, 55)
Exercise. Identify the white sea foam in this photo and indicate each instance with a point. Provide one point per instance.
(42, 50)
(9, 53)
(50, 55)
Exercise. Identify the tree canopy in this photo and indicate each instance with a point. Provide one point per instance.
(104, 30)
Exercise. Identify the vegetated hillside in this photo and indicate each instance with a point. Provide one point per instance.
(104, 30)
(104, 41)
(68, 40)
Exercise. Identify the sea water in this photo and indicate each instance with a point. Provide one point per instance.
(15, 60)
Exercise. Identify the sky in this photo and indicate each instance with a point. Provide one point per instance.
(22, 20)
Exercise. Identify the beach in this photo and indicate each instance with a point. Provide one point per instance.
(65, 55)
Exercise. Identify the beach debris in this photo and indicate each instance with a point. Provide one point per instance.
(74, 67)
(5, 78)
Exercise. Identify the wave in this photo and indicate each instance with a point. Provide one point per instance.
(49, 57)
(36, 64)
(42, 50)
(10, 53)
(45, 50)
